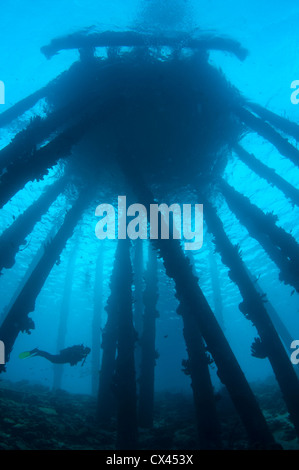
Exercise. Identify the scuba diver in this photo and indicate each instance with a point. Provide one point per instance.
(71, 355)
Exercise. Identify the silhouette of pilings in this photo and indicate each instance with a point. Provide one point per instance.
(106, 404)
(81, 41)
(280, 245)
(188, 292)
(125, 377)
(281, 328)
(254, 309)
(147, 342)
(17, 319)
(36, 165)
(117, 386)
(53, 88)
(138, 302)
(197, 367)
(97, 322)
(64, 316)
(22, 106)
(268, 174)
(269, 133)
(285, 125)
(25, 143)
(216, 287)
(15, 235)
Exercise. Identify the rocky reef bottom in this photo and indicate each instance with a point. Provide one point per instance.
(33, 417)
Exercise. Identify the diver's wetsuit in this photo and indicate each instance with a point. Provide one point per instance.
(71, 355)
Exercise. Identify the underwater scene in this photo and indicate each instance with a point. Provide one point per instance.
(149, 236)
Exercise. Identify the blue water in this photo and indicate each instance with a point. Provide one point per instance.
(270, 33)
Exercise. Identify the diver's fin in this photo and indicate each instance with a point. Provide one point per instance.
(26, 354)
(84, 359)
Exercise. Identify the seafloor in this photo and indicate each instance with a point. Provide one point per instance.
(34, 417)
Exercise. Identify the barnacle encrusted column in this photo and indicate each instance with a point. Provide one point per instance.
(138, 303)
(64, 315)
(125, 377)
(147, 342)
(35, 165)
(279, 325)
(264, 129)
(288, 127)
(254, 309)
(97, 320)
(26, 142)
(106, 398)
(22, 106)
(188, 292)
(117, 387)
(268, 174)
(17, 319)
(18, 109)
(217, 295)
(15, 235)
(197, 366)
(281, 246)
(62, 105)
